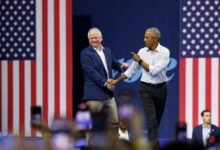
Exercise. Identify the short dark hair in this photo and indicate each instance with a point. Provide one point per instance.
(204, 111)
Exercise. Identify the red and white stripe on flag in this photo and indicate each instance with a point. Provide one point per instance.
(45, 81)
(199, 90)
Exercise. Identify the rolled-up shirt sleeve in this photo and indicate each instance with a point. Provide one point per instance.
(132, 70)
(160, 65)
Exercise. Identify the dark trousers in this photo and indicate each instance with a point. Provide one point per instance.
(154, 100)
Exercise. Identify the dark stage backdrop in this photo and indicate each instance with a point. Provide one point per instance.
(123, 23)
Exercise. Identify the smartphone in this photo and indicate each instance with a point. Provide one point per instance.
(36, 116)
(83, 120)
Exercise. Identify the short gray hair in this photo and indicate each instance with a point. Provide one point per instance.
(95, 28)
(155, 32)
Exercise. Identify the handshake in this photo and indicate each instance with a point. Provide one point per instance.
(110, 84)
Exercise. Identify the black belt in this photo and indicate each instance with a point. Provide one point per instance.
(153, 85)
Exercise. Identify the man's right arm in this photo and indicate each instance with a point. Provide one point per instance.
(194, 136)
(132, 70)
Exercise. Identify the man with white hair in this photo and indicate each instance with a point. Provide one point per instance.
(97, 63)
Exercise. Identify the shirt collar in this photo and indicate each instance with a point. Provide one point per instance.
(98, 49)
(209, 126)
(157, 49)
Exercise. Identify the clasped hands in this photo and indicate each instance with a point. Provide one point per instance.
(111, 84)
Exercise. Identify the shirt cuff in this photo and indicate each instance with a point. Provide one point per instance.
(126, 73)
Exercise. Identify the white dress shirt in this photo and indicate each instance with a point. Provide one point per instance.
(157, 60)
(102, 56)
(205, 133)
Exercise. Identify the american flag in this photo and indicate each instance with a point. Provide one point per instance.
(199, 61)
(35, 62)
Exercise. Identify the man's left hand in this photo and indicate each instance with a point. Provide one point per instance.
(124, 67)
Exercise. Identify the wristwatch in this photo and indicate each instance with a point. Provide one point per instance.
(140, 61)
